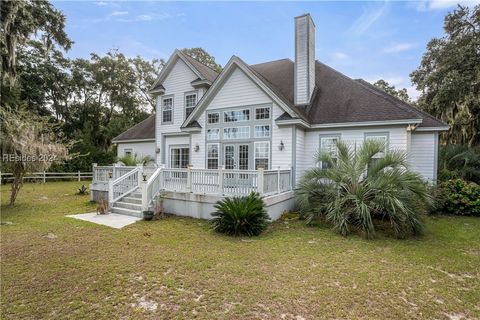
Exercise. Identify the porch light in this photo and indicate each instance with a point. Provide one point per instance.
(157, 150)
(197, 148)
(281, 146)
(110, 174)
(144, 175)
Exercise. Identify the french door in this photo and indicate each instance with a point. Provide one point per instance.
(236, 156)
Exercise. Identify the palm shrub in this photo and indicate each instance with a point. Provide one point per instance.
(237, 216)
(350, 197)
(129, 160)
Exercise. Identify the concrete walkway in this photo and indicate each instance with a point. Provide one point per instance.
(112, 220)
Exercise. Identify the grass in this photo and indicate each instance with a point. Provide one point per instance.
(185, 270)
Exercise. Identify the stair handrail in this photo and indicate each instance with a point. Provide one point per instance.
(151, 188)
(123, 185)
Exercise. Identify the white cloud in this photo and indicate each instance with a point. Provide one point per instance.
(368, 18)
(118, 13)
(340, 56)
(442, 4)
(398, 47)
(101, 3)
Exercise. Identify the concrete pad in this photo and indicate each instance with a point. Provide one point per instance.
(112, 220)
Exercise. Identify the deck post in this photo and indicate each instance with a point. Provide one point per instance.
(140, 174)
(220, 180)
(94, 175)
(260, 180)
(278, 179)
(110, 191)
(189, 178)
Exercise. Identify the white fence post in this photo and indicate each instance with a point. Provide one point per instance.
(78, 175)
(220, 180)
(189, 178)
(278, 179)
(260, 180)
(44, 176)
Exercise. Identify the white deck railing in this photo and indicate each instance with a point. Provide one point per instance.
(123, 185)
(122, 180)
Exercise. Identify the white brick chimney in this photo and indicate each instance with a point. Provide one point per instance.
(304, 58)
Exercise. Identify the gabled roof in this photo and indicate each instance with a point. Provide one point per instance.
(236, 62)
(206, 72)
(144, 130)
(201, 71)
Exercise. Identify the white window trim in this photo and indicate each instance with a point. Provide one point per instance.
(218, 113)
(263, 125)
(128, 150)
(269, 113)
(373, 135)
(327, 136)
(237, 110)
(218, 154)
(190, 93)
(213, 129)
(178, 147)
(171, 110)
(255, 153)
(238, 138)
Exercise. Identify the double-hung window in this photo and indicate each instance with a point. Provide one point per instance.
(262, 154)
(262, 131)
(328, 144)
(167, 110)
(381, 137)
(190, 102)
(179, 157)
(212, 155)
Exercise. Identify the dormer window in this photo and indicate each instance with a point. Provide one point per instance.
(167, 110)
(190, 102)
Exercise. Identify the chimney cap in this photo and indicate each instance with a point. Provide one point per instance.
(305, 15)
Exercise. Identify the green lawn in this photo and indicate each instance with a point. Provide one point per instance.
(177, 268)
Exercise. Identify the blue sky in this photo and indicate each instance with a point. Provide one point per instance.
(369, 40)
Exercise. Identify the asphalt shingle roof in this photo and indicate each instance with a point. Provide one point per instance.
(142, 130)
(336, 98)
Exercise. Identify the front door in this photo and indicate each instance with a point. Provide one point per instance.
(236, 156)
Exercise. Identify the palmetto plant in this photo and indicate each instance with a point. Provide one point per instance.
(240, 216)
(129, 160)
(350, 197)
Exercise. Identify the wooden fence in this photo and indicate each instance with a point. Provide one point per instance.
(44, 176)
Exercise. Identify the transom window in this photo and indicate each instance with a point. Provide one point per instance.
(262, 131)
(213, 117)
(179, 157)
(190, 102)
(262, 113)
(262, 155)
(212, 156)
(167, 110)
(236, 115)
(213, 134)
(328, 144)
(236, 133)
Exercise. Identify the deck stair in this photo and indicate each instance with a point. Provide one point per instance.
(130, 205)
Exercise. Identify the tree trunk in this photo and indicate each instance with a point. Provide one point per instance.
(16, 186)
